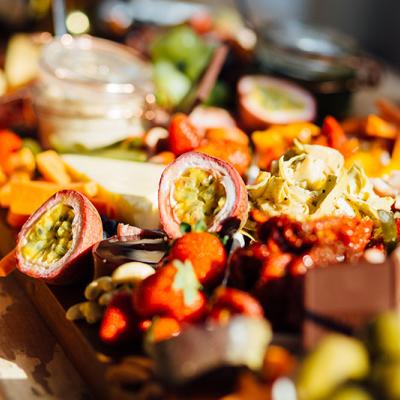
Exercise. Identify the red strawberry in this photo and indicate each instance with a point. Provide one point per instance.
(230, 301)
(119, 323)
(206, 253)
(164, 328)
(183, 135)
(173, 291)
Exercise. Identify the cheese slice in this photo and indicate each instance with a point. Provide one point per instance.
(132, 187)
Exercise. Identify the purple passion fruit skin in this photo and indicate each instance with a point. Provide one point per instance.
(265, 101)
(55, 242)
(199, 188)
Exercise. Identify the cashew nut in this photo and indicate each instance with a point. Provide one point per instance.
(98, 286)
(132, 272)
(92, 311)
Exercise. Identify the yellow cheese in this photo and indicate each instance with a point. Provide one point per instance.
(131, 186)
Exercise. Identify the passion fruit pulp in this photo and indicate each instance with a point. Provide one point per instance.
(53, 242)
(51, 237)
(200, 188)
(199, 196)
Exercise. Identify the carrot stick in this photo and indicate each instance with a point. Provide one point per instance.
(7, 263)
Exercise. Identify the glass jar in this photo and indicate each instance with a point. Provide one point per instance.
(328, 63)
(90, 93)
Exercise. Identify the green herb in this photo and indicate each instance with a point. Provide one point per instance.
(184, 227)
(225, 239)
(186, 280)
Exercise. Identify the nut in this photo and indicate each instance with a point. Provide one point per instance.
(98, 287)
(74, 312)
(132, 272)
(92, 311)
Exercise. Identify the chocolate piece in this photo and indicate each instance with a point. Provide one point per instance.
(148, 247)
(200, 349)
(343, 297)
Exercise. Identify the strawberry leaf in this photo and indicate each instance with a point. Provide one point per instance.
(186, 280)
(184, 227)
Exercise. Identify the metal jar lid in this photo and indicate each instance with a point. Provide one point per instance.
(315, 55)
(94, 64)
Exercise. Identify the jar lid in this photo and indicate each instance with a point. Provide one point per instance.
(306, 51)
(95, 64)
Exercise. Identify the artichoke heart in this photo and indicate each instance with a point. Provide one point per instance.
(311, 181)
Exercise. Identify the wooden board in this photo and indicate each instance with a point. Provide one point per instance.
(52, 303)
(32, 362)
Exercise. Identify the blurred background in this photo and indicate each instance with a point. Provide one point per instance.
(373, 23)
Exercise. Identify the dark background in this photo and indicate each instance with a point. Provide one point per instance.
(374, 23)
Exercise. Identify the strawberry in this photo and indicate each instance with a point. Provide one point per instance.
(235, 153)
(164, 328)
(229, 301)
(173, 291)
(206, 254)
(183, 135)
(119, 323)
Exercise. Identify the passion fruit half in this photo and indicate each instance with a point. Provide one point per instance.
(57, 236)
(197, 188)
(265, 101)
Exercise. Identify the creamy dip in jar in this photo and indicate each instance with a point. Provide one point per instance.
(90, 93)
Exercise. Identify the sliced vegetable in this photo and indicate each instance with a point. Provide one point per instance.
(52, 167)
(378, 127)
(27, 196)
(9, 143)
(8, 263)
(171, 84)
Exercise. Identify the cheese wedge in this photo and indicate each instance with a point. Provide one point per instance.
(132, 187)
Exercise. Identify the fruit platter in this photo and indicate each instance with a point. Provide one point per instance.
(194, 223)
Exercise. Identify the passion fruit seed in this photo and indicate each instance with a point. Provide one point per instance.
(50, 237)
(199, 196)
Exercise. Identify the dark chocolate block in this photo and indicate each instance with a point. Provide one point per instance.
(343, 297)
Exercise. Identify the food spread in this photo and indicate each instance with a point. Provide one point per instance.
(228, 220)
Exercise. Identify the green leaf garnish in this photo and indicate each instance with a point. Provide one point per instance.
(184, 227)
(186, 280)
